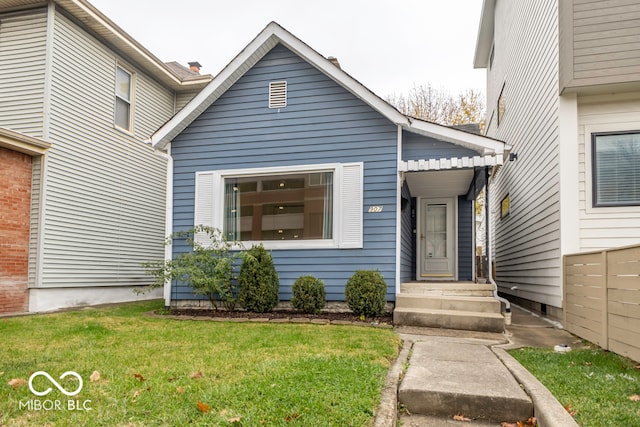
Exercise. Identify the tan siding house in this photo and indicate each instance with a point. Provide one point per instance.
(563, 88)
(74, 79)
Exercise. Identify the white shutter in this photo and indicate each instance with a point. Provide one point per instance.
(204, 205)
(351, 206)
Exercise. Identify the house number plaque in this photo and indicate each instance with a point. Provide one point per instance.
(375, 209)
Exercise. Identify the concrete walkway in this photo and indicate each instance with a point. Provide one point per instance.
(450, 372)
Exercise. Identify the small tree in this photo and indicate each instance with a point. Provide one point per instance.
(208, 268)
(258, 281)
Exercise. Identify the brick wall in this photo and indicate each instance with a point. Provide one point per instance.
(15, 202)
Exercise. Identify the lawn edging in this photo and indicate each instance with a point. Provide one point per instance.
(387, 413)
(547, 410)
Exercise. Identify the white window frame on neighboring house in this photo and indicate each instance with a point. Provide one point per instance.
(123, 99)
(597, 201)
(347, 203)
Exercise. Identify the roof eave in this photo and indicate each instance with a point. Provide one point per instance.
(485, 34)
(22, 143)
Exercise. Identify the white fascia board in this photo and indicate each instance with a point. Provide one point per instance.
(485, 34)
(479, 143)
(250, 55)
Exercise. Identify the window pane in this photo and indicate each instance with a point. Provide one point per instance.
(617, 169)
(123, 84)
(279, 207)
(122, 113)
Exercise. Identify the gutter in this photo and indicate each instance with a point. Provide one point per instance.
(507, 314)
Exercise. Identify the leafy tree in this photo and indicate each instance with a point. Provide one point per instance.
(208, 268)
(439, 106)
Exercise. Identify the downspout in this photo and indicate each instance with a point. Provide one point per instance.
(487, 227)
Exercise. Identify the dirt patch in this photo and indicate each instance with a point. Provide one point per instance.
(332, 317)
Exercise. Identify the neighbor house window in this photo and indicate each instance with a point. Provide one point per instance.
(616, 168)
(124, 85)
(297, 206)
(505, 207)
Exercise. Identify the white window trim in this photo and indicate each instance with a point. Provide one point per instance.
(219, 177)
(590, 209)
(131, 96)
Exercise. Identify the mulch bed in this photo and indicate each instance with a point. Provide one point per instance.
(284, 315)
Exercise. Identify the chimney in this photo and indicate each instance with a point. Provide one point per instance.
(195, 67)
(334, 61)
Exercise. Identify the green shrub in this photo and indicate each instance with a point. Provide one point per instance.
(308, 294)
(365, 293)
(258, 281)
(207, 268)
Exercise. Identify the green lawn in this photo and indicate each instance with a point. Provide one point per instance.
(158, 371)
(597, 385)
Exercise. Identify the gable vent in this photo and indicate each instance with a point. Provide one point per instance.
(278, 94)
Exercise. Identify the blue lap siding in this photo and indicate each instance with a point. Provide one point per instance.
(322, 123)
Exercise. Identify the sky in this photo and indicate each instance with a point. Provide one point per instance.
(389, 46)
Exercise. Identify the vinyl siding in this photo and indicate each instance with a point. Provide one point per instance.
(105, 204)
(22, 71)
(465, 238)
(527, 242)
(182, 98)
(408, 249)
(605, 227)
(600, 42)
(322, 123)
(418, 147)
(35, 212)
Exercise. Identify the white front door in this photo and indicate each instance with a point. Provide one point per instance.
(437, 239)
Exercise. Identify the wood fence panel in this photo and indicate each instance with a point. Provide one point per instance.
(585, 294)
(602, 298)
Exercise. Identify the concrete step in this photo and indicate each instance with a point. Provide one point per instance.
(454, 302)
(449, 378)
(447, 289)
(449, 319)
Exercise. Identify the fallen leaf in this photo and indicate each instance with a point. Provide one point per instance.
(570, 410)
(1, 373)
(634, 398)
(136, 393)
(179, 389)
(505, 424)
(203, 407)
(195, 375)
(637, 367)
(588, 363)
(94, 377)
(138, 376)
(234, 420)
(292, 417)
(460, 417)
(532, 422)
(224, 412)
(17, 382)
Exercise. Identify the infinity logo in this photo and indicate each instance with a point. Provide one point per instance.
(55, 383)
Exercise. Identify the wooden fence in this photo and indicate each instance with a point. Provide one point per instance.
(602, 298)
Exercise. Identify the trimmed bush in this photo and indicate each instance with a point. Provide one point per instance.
(258, 281)
(308, 294)
(365, 293)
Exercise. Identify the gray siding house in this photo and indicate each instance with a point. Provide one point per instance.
(73, 79)
(563, 88)
(285, 148)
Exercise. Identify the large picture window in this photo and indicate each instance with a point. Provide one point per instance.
(297, 206)
(616, 168)
(290, 207)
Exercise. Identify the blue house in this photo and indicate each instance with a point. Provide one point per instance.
(285, 148)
